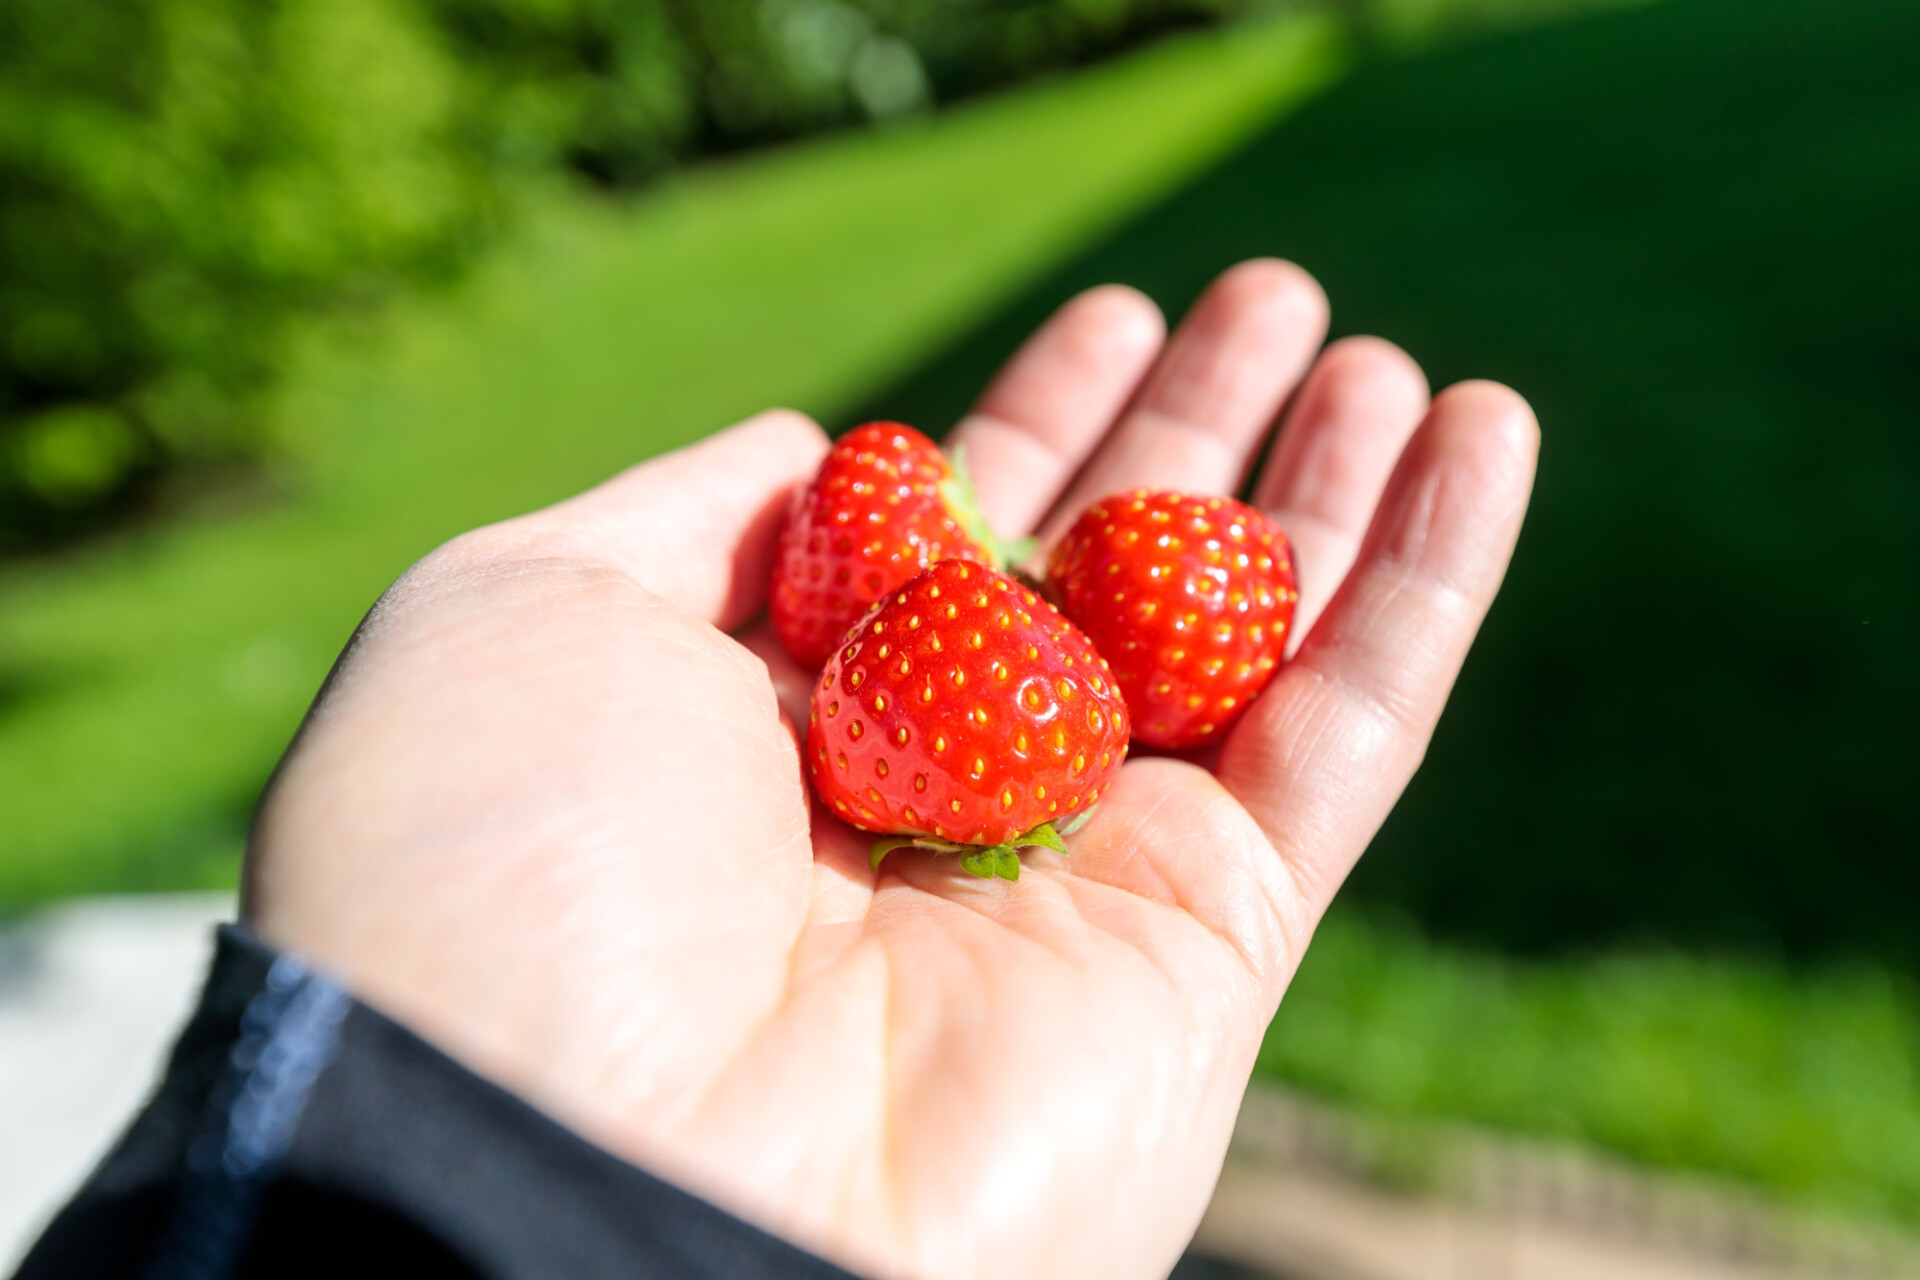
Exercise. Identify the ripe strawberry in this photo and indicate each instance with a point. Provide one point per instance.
(1189, 598)
(884, 506)
(965, 714)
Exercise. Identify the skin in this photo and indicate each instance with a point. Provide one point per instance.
(548, 810)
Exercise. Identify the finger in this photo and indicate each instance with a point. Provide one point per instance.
(697, 526)
(1216, 390)
(1054, 400)
(1324, 753)
(1354, 415)
(792, 683)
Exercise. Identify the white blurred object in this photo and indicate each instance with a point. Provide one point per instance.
(92, 994)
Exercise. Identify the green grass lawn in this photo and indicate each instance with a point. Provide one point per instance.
(1804, 1081)
(147, 687)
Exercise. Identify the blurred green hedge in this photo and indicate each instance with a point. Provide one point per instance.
(178, 178)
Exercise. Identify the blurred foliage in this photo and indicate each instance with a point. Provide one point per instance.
(179, 178)
(176, 178)
(1807, 1083)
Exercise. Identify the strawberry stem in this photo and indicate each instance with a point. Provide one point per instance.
(887, 844)
(985, 861)
(963, 501)
(1076, 822)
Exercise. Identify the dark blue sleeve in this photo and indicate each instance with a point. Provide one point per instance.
(298, 1132)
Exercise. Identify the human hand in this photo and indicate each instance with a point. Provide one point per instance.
(549, 811)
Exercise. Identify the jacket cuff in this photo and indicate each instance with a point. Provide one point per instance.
(297, 1130)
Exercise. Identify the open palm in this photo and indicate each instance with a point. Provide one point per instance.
(549, 810)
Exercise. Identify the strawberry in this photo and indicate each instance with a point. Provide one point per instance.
(884, 506)
(1189, 598)
(964, 714)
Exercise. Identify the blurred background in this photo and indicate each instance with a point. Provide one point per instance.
(290, 292)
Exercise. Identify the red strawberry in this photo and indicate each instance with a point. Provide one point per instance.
(1189, 598)
(965, 714)
(884, 506)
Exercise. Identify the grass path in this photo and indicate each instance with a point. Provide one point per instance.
(147, 687)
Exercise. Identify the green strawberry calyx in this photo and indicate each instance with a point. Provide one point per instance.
(958, 493)
(986, 861)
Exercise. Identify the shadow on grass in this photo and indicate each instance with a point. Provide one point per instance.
(24, 683)
(1687, 234)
